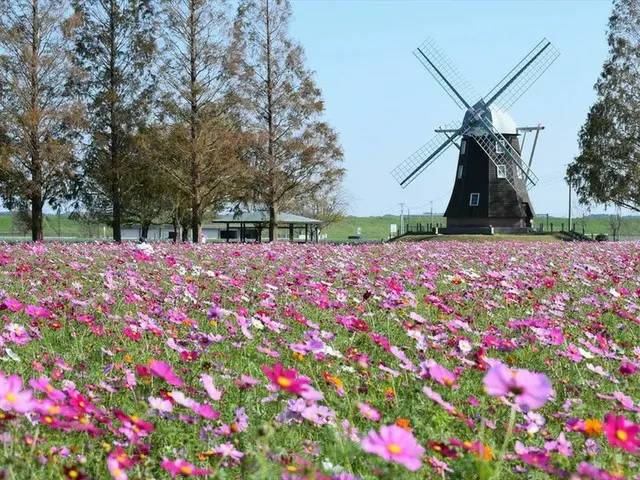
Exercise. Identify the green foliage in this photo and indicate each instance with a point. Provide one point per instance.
(291, 151)
(115, 50)
(607, 170)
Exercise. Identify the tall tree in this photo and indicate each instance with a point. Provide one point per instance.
(291, 151)
(38, 113)
(200, 156)
(150, 201)
(607, 170)
(115, 47)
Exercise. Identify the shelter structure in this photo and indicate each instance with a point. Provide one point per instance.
(240, 228)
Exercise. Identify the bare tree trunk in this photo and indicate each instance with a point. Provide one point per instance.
(36, 220)
(115, 167)
(273, 223)
(185, 233)
(117, 218)
(196, 214)
(144, 227)
(273, 210)
(196, 222)
(36, 159)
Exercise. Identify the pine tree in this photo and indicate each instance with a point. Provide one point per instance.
(607, 170)
(115, 47)
(38, 114)
(290, 151)
(200, 156)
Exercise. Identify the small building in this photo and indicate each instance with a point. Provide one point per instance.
(247, 227)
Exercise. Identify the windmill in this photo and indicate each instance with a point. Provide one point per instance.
(492, 178)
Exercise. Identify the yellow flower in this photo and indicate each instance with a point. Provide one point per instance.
(404, 423)
(486, 451)
(592, 427)
(334, 380)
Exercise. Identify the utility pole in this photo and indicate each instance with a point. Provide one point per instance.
(569, 204)
(401, 218)
(431, 213)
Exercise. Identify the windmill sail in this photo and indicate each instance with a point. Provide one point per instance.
(407, 171)
(522, 76)
(448, 76)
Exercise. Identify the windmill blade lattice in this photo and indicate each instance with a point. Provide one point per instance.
(448, 76)
(413, 166)
(501, 152)
(522, 76)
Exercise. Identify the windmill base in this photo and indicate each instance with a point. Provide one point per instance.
(496, 222)
(485, 230)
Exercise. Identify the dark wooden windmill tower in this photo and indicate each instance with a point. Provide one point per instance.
(492, 178)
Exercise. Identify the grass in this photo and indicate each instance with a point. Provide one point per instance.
(372, 228)
(376, 228)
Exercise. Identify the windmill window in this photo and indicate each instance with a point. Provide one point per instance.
(463, 148)
(501, 145)
(501, 171)
(474, 199)
(460, 168)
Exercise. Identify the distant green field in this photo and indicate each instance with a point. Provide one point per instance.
(376, 228)
(372, 228)
(54, 226)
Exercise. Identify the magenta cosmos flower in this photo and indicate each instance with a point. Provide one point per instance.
(163, 370)
(287, 380)
(184, 468)
(530, 389)
(621, 432)
(394, 444)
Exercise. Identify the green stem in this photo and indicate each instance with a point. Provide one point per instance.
(507, 437)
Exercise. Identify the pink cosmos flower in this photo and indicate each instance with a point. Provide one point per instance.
(118, 462)
(621, 432)
(438, 373)
(286, 380)
(394, 444)
(44, 385)
(211, 389)
(163, 370)
(369, 412)
(183, 468)
(205, 410)
(530, 389)
(117, 473)
(160, 404)
(12, 397)
(37, 312)
(229, 451)
(12, 304)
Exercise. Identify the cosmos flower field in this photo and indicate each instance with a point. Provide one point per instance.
(432, 360)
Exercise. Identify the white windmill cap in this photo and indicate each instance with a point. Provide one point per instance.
(502, 121)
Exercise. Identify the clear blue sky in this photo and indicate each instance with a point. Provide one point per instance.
(385, 105)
